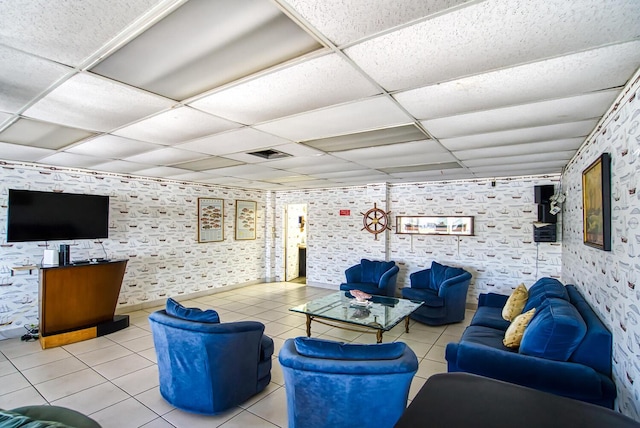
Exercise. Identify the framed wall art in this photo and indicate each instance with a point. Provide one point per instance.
(246, 219)
(210, 220)
(596, 203)
(436, 225)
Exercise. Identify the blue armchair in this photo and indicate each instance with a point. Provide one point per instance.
(443, 289)
(332, 384)
(373, 277)
(209, 367)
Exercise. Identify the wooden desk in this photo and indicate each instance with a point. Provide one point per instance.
(76, 300)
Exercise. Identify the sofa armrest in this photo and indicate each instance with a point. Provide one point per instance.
(354, 273)
(388, 281)
(493, 300)
(421, 279)
(564, 378)
(456, 285)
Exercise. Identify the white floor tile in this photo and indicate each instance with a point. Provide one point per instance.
(138, 381)
(93, 399)
(125, 414)
(153, 400)
(272, 408)
(23, 397)
(247, 420)
(54, 370)
(181, 419)
(69, 384)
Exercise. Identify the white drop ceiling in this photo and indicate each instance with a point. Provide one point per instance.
(356, 91)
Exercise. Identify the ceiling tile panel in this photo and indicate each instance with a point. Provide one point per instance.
(490, 35)
(204, 44)
(235, 141)
(345, 21)
(570, 109)
(4, 117)
(348, 118)
(313, 84)
(434, 175)
(521, 136)
(574, 74)
(161, 171)
(532, 158)
(519, 169)
(71, 160)
(112, 147)
(66, 32)
(349, 174)
(165, 156)
(404, 154)
(176, 126)
(75, 103)
(209, 163)
(42, 134)
(23, 77)
(377, 137)
(521, 149)
(18, 152)
(119, 166)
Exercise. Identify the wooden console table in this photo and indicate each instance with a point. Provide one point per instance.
(78, 302)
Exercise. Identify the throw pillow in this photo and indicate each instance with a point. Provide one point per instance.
(175, 309)
(515, 303)
(329, 349)
(515, 331)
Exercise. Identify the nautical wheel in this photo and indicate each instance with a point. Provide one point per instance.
(376, 221)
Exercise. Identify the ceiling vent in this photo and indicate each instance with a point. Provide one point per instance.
(269, 154)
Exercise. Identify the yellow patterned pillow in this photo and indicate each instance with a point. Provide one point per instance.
(513, 335)
(515, 303)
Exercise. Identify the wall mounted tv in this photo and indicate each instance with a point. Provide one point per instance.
(51, 216)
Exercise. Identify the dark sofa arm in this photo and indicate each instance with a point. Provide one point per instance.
(354, 274)
(563, 378)
(388, 281)
(456, 285)
(493, 300)
(421, 279)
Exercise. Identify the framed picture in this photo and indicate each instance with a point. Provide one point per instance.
(246, 219)
(438, 225)
(210, 220)
(596, 203)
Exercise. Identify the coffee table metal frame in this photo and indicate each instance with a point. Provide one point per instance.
(341, 310)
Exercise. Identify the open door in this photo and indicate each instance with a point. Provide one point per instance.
(296, 243)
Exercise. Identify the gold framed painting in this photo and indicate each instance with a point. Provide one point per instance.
(596, 203)
(246, 212)
(210, 220)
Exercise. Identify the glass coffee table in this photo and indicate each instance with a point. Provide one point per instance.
(376, 315)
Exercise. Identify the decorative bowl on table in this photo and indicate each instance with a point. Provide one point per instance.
(360, 296)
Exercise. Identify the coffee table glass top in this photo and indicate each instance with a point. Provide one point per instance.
(380, 312)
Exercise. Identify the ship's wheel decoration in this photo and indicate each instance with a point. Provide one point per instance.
(376, 221)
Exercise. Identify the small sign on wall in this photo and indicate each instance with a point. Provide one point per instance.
(345, 212)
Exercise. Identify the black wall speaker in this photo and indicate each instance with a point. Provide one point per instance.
(544, 214)
(544, 193)
(64, 256)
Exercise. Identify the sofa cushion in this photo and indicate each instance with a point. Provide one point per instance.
(428, 296)
(372, 270)
(484, 336)
(542, 289)
(515, 303)
(489, 316)
(328, 349)
(175, 309)
(555, 332)
(513, 335)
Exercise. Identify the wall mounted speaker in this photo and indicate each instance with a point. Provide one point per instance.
(544, 193)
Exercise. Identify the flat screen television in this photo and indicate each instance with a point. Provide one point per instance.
(51, 216)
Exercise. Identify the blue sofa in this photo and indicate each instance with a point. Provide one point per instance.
(373, 277)
(331, 384)
(565, 350)
(443, 289)
(206, 366)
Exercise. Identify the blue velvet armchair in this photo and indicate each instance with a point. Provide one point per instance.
(207, 367)
(443, 289)
(332, 384)
(373, 277)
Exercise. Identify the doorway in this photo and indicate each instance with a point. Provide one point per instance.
(296, 243)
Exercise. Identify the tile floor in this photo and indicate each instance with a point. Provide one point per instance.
(114, 378)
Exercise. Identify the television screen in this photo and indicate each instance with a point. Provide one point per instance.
(50, 216)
